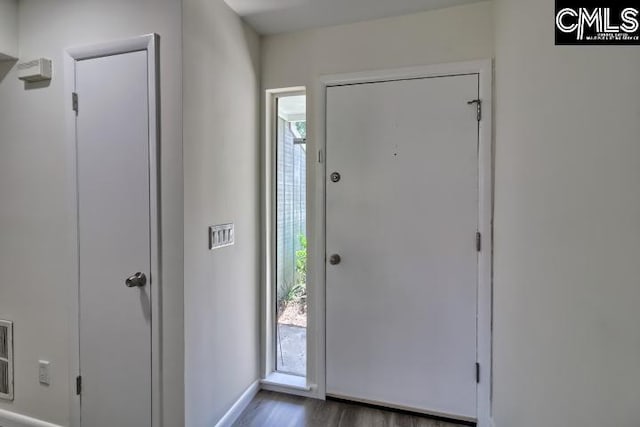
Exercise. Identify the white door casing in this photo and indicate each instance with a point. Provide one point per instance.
(115, 151)
(402, 304)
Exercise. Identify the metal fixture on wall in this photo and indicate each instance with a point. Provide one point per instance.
(35, 71)
(6, 360)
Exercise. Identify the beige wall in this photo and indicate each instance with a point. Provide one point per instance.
(36, 252)
(567, 234)
(221, 79)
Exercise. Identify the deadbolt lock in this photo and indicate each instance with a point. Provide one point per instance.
(335, 177)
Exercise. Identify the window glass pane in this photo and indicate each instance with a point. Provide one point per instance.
(291, 253)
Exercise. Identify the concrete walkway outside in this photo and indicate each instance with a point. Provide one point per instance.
(292, 349)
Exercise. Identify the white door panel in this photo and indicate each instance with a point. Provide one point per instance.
(114, 240)
(401, 305)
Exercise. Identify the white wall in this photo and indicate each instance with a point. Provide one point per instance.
(567, 205)
(8, 29)
(221, 71)
(36, 263)
(567, 231)
(444, 35)
(459, 33)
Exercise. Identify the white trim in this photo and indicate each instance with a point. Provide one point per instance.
(271, 381)
(484, 69)
(419, 72)
(485, 257)
(243, 401)
(117, 47)
(280, 379)
(292, 117)
(288, 389)
(12, 419)
(74, 309)
(149, 43)
(289, 384)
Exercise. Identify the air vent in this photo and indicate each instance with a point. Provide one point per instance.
(220, 236)
(6, 360)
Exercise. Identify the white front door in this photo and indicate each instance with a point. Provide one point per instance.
(112, 136)
(403, 215)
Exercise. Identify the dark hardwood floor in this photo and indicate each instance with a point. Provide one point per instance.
(269, 409)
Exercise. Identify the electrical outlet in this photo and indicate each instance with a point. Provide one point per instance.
(44, 374)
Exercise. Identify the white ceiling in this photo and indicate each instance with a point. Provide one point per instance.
(292, 104)
(281, 16)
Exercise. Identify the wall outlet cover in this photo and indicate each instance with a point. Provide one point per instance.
(44, 372)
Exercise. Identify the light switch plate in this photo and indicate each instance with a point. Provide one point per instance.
(221, 235)
(44, 374)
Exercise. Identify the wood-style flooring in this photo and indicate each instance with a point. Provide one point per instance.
(269, 409)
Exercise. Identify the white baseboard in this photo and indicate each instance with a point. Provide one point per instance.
(11, 419)
(232, 414)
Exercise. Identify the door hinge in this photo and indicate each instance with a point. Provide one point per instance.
(74, 102)
(478, 103)
(477, 373)
(78, 385)
(478, 241)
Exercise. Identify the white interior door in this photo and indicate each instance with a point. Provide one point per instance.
(402, 303)
(112, 128)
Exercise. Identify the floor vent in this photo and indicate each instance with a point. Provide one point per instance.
(6, 360)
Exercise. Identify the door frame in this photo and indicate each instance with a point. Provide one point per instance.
(271, 379)
(150, 44)
(317, 265)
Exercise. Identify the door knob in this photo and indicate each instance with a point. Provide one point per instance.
(138, 280)
(335, 259)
